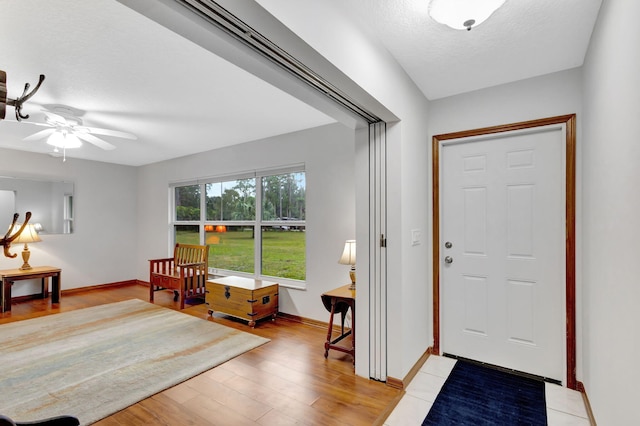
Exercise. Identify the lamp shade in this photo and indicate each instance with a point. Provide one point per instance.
(349, 254)
(28, 235)
(463, 14)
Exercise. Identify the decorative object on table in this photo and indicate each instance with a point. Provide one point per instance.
(16, 103)
(463, 14)
(26, 236)
(12, 234)
(349, 258)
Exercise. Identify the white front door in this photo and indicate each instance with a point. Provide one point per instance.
(502, 252)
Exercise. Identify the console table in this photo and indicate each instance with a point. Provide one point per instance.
(9, 276)
(339, 300)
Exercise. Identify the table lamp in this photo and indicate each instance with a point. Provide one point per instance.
(28, 235)
(349, 258)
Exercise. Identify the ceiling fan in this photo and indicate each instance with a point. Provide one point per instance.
(66, 130)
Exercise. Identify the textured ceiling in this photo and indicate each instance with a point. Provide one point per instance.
(522, 39)
(130, 74)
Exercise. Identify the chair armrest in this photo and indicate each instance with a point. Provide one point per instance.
(166, 259)
(187, 265)
(164, 266)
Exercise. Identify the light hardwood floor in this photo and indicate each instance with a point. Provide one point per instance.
(285, 382)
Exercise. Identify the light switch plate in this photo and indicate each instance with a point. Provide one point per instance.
(416, 237)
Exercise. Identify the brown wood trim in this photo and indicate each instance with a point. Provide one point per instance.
(307, 321)
(570, 251)
(382, 418)
(27, 297)
(78, 290)
(392, 382)
(403, 383)
(3, 94)
(570, 181)
(99, 286)
(435, 191)
(561, 119)
(587, 404)
(416, 367)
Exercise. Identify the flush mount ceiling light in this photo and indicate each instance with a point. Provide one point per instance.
(463, 14)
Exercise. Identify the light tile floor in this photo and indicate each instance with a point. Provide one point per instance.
(564, 406)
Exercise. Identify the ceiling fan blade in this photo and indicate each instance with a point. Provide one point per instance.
(39, 135)
(56, 118)
(96, 141)
(106, 132)
(34, 118)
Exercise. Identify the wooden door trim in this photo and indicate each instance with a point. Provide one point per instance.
(570, 212)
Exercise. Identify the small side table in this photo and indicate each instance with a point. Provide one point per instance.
(340, 300)
(9, 276)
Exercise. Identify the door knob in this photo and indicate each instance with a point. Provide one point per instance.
(448, 245)
(448, 259)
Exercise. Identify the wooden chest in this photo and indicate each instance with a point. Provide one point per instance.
(244, 298)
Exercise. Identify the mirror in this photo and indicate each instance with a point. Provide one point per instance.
(49, 201)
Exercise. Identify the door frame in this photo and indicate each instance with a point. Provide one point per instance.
(570, 232)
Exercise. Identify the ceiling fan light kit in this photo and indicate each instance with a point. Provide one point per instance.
(65, 130)
(64, 140)
(463, 14)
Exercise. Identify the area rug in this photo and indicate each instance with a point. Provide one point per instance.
(477, 395)
(93, 362)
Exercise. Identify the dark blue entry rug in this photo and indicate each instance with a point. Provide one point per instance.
(478, 395)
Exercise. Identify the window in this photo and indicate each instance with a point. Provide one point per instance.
(254, 226)
(231, 247)
(188, 202)
(187, 234)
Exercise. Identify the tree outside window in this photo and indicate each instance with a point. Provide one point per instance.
(236, 226)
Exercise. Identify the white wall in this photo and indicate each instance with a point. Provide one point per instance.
(354, 51)
(122, 213)
(550, 95)
(611, 204)
(328, 154)
(102, 248)
(540, 97)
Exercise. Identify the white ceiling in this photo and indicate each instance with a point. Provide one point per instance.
(130, 74)
(522, 39)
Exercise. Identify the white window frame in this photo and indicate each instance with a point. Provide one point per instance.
(258, 223)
